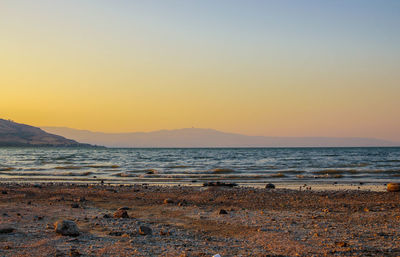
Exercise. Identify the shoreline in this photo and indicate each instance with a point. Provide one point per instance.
(297, 186)
(189, 221)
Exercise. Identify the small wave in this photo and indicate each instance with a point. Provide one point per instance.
(103, 166)
(278, 175)
(178, 166)
(124, 174)
(223, 170)
(77, 174)
(319, 176)
(7, 169)
(69, 167)
(292, 171)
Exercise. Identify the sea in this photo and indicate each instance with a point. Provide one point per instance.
(195, 166)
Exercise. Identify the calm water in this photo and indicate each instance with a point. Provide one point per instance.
(182, 166)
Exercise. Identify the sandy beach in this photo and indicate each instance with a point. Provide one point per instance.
(197, 221)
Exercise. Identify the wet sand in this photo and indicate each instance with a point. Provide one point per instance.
(258, 221)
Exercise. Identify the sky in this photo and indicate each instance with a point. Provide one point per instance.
(271, 68)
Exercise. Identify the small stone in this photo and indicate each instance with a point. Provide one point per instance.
(341, 244)
(270, 186)
(6, 230)
(125, 208)
(66, 228)
(74, 205)
(4, 192)
(393, 187)
(49, 226)
(115, 233)
(168, 200)
(106, 216)
(144, 230)
(121, 214)
(222, 211)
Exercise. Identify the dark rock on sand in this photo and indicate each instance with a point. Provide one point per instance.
(124, 208)
(115, 233)
(106, 216)
(222, 211)
(74, 205)
(393, 187)
(167, 201)
(66, 228)
(6, 230)
(144, 230)
(270, 186)
(121, 214)
(4, 192)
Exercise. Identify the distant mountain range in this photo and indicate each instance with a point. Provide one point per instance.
(195, 137)
(16, 134)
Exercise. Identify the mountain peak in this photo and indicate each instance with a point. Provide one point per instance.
(17, 134)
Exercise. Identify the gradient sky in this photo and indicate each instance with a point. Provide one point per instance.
(273, 68)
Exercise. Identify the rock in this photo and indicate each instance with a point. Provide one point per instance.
(106, 216)
(222, 211)
(167, 201)
(124, 208)
(66, 228)
(49, 226)
(143, 230)
(341, 244)
(115, 233)
(393, 187)
(270, 186)
(4, 192)
(121, 214)
(74, 205)
(6, 230)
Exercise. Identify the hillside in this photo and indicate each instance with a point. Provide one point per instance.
(195, 137)
(16, 134)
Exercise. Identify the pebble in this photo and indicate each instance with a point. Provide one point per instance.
(144, 230)
(74, 205)
(4, 192)
(222, 211)
(167, 201)
(393, 187)
(66, 228)
(270, 186)
(121, 214)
